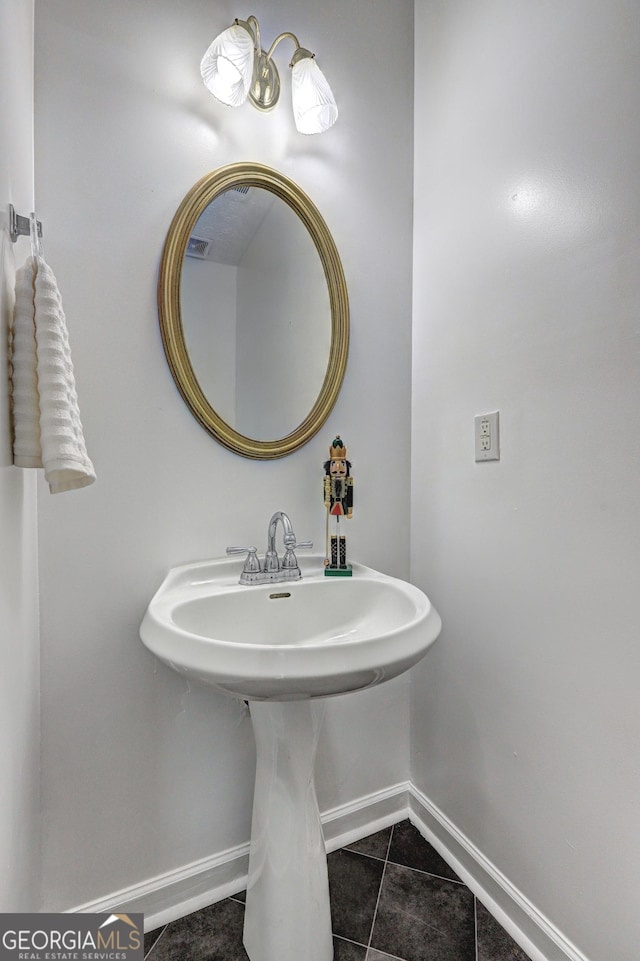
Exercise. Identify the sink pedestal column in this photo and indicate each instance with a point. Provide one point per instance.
(287, 916)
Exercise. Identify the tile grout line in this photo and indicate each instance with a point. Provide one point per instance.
(363, 854)
(400, 864)
(428, 874)
(391, 957)
(384, 871)
(341, 937)
(159, 938)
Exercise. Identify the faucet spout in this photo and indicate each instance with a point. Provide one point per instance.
(287, 529)
(271, 556)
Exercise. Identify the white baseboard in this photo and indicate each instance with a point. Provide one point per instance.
(349, 822)
(535, 934)
(175, 894)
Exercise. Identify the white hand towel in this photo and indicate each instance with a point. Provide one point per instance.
(58, 432)
(26, 404)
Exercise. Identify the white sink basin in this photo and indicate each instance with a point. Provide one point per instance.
(316, 637)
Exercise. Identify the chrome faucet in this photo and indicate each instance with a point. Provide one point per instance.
(272, 570)
(271, 562)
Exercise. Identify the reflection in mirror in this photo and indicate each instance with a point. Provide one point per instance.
(255, 312)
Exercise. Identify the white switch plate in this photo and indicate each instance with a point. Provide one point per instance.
(487, 436)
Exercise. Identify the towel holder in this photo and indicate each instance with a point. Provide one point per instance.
(20, 226)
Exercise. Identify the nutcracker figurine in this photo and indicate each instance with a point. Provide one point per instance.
(338, 501)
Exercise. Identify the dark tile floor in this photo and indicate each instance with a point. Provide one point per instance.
(392, 897)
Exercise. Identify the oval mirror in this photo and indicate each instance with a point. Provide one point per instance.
(253, 310)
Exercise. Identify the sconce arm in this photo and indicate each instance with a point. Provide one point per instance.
(253, 27)
(289, 36)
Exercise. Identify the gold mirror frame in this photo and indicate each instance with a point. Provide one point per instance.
(170, 312)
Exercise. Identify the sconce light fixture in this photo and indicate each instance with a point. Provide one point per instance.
(235, 67)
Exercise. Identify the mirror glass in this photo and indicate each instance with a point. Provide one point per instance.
(253, 310)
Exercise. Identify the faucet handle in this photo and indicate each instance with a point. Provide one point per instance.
(290, 561)
(251, 564)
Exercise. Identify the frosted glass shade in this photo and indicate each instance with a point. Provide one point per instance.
(227, 66)
(314, 108)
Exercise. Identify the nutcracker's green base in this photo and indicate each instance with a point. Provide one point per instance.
(338, 571)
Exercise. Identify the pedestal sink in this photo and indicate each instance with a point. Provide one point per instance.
(285, 648)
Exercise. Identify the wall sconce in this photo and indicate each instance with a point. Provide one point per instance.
(236, 67)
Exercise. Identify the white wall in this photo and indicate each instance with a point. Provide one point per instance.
(19, 673)
(141, 773)
(527, 300)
